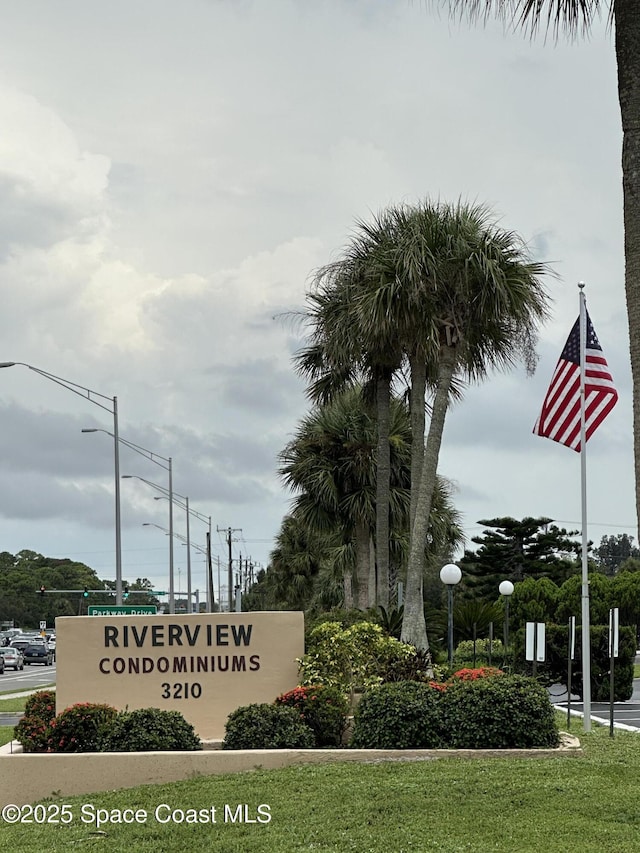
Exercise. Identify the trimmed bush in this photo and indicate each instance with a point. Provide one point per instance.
(463, 653)
(323, 709)
(33, 729)
(149, 730)
(265, 726)
(400, 715)
(80, 727)
(512, 711)
(471, 674)
(41, 704)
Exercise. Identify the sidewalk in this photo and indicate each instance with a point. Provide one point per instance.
(22, 693)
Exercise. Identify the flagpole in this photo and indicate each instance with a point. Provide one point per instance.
(586, 634)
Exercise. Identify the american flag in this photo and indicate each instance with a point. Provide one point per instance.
(559, 419)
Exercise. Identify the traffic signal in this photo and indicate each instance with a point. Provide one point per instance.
(125, 593)
(86, 592)
(42, 590)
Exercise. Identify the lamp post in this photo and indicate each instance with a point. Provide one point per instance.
(506, 589)
(184, 541)
(184, 506)
(112, 408)
(207, 520)
(169, 493)
(450, 575)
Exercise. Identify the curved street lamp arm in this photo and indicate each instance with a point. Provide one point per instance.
(80, 390)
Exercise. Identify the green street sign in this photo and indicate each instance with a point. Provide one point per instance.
(121, 609)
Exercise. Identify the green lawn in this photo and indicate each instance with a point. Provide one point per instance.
(587, 803)
(13, 704)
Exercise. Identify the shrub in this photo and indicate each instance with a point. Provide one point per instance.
(464, 652)
(471, 674)
(341, 616)
(402, 715)
(554, 668)
(80, 727)
(391, 620)
(149, 730)
(351, 658)
(42, 705)
(416, 666)
(32, 733)
(265, 726)
(33, 729)
(512, 711)
(323, 709)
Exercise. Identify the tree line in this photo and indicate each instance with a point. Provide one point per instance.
(28, 581)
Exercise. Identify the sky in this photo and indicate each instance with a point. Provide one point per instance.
(171, 175)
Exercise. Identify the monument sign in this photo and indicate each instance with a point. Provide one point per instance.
(203, 665)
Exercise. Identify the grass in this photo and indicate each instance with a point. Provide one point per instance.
(39, 687)
(586, 803)
(16, 704)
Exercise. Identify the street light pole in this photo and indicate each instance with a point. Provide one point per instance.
(152, 457)
(89, 395)
(116, 464)
(185, 541)
(450, 575)
(169, 493)
(190, 511)
(506, 589)
(172, 598)
(190, 610)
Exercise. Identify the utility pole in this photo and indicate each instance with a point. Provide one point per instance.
(210, 593)
(229, 531)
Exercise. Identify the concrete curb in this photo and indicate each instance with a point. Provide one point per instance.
(32, 777)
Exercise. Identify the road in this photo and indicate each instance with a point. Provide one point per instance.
(624, 713)
(30, 678)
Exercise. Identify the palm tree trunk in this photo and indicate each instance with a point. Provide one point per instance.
(414, 629)
(627, 34)
(347, 591)
(373, 585)
(362, 564)
(418, 388)
(383, 477)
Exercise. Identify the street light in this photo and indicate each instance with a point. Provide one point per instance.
(169, 492)
(506, 589)
(184, 506)
(184, 541)
(450, 575)
(159, 460)
(89, 395)
(207, 520)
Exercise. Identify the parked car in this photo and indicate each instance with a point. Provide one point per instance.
(38, 653)
(12, 658)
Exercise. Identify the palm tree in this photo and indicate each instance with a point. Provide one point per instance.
(624, 15)
(331, 464)
(467, 299)
(294, 565)
(338, 356)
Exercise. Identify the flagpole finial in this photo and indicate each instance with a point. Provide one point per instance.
(581, 285)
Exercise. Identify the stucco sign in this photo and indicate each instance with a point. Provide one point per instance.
(204, 665)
